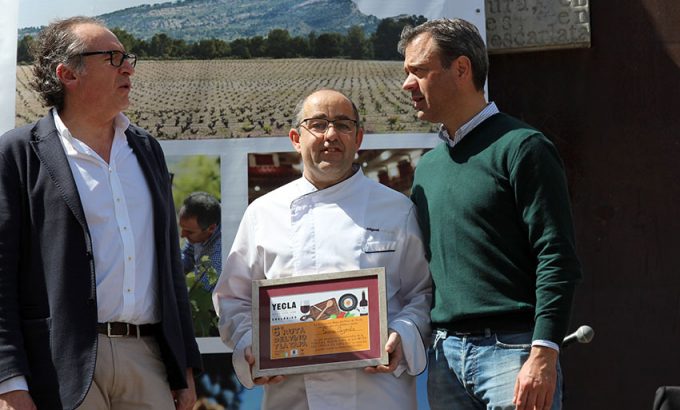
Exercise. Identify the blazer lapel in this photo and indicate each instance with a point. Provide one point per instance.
(50, 152)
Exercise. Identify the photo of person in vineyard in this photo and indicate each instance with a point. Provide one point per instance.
(200, 227)
(196, 193)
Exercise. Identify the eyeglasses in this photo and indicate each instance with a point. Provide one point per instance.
(116, 57)
(320, 125)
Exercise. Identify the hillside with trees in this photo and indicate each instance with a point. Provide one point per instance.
(277, 43)
(194, 20)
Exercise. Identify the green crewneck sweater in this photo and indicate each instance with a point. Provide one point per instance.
(495, 215)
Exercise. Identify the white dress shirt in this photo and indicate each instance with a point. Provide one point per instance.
(299, 230)
(118, 210)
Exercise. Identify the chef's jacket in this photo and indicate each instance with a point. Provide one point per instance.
(300, 230)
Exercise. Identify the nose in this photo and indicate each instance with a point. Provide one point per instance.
(331, 133)
(410, 83)
(126, 68)
(183, 234)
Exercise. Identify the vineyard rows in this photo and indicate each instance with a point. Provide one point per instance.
(249, 98)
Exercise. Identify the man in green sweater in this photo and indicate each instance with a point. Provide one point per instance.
(494, 209)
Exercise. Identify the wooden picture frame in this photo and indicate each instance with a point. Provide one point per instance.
(321, 322)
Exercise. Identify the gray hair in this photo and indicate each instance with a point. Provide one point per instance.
(453, 38)
(57, 44)
(300, 107)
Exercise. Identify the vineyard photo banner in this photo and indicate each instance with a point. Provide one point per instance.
(234, 113)
(190, 98)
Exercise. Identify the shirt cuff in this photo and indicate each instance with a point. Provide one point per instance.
(546, 343)
(241, 365)
(15, 383)
(413, 347)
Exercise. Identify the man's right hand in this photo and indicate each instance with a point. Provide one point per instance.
(16, 400)
(258, 380)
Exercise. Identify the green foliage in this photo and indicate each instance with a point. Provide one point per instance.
(210, 49)
(239, 48)
(128, 40)
(279, 43)
(161, 45)
(195, 173)
(202, 310)
(356, 43)
(329, 45)
(24, 49)
(386, 36)
(257, 46)
(191, 174)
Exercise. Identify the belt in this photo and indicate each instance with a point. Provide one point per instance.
(485, 326)
(120, 329)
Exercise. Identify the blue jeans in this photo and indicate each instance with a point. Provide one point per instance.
(478, 372)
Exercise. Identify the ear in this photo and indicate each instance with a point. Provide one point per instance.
(66, 75)
(462, 67)
(294, 136)
(360, 137)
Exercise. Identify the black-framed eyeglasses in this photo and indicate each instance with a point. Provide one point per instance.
(116, 57)
(321, 125)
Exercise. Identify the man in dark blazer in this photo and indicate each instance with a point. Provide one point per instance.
(92, 294)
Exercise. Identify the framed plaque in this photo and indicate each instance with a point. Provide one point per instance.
(319, 322)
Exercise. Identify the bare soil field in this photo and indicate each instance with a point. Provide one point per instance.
(248, 98)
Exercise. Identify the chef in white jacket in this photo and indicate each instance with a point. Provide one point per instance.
(332, 219)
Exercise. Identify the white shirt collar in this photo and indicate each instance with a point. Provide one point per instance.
(489, 110)
(73, 146)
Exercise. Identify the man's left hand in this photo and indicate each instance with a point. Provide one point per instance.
(185, 398)
(536, 381)
(396, 354)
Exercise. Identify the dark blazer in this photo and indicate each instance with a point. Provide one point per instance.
(48, 298)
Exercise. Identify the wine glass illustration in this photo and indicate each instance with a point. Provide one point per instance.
(304, 308)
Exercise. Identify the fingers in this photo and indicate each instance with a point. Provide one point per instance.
(393, 341)
(268, 380)
(547, 402)
(396, 354)
(249, 356)
(184, 398)
(532, 396)
(248, 352)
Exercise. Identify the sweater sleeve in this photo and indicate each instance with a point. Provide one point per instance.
(542, 197)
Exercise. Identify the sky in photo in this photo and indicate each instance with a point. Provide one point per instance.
(41, 12)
